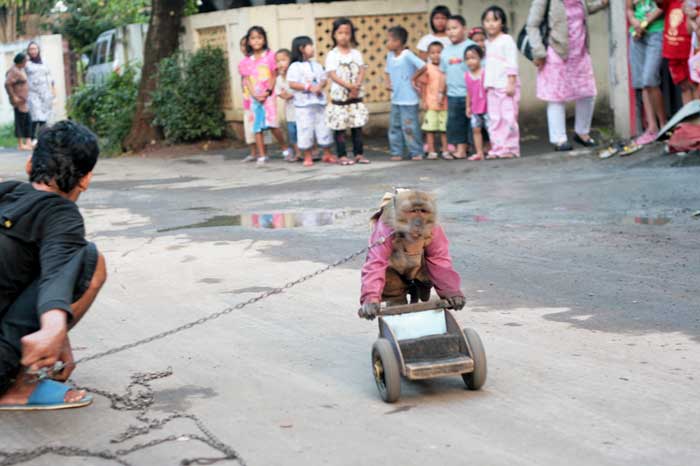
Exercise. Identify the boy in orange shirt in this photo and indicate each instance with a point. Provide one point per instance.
(430, 81)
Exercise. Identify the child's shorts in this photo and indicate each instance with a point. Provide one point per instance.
(458, 129)
(435, 121)
(680, 71)
(292, 132)
(311, 124)
(480, 120)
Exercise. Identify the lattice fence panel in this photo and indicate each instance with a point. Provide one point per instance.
(216, 37)
(371, 38)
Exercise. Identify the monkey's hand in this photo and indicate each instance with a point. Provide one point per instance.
(457, 302)
(369, 311)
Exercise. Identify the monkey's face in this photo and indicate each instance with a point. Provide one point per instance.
(415, 214)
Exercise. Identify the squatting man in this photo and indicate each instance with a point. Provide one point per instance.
(49, 274)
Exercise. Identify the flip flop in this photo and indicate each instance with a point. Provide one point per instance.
(48, 396)
(361, 160)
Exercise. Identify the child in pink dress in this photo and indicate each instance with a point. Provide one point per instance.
(502, 86)
(476, 98)
(258, 71)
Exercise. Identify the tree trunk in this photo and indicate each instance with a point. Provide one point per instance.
(8, 24)
(162, 40)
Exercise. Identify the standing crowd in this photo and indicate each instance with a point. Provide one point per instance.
(31, 92)
(465, 81)
(670, 30)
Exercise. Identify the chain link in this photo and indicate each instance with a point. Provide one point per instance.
(139, 395)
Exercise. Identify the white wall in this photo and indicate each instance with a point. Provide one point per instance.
(52, 54)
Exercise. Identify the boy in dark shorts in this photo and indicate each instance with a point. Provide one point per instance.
(49, 273)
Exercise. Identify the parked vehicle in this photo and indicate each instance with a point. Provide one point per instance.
(114, 49)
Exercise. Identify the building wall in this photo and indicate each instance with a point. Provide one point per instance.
(52, 54)
(284, 22)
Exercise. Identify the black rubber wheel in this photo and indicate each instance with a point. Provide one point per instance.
(476, 379)
(385, 368)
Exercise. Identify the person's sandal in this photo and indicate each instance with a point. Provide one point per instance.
(361, 160)
(446, 155)
(345, 161)
(396, 158)
(432, 156)
(476, 157)
(329, 159)
(49, 395)
(417, 158)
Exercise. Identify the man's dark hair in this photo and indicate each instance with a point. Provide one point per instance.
(65, 152)
(344, 22)
(499, 14)
(459, 18)
(476, 49)
(399, 33)
(20, 58)
(439, 10)
(436, 43)
(299, 43)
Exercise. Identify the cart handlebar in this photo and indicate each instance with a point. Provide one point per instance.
(417, 307)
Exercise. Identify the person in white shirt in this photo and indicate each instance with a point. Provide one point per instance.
(438, 27)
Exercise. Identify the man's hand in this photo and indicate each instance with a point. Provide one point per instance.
(369, 310)
(44, 347)
(539, 62)
(457, 302)
(468, 111)
(510, 88)
(66, 357)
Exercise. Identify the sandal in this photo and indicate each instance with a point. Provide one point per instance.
(396, 158)
(446, 155)
(476, 157)
(308, 162)
(345, 161)
(361, 159)
(329, 159)
(48, 395)
(432, 156)
(417, 158)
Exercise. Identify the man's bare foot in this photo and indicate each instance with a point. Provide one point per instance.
(19, 393)
(477, 156)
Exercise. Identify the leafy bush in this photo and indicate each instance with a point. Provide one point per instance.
(7, 135)
(108, 108)
(187, 101)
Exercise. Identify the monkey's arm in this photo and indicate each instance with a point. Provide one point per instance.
(374, 270)
(439, 264)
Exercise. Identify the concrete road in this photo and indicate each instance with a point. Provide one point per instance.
(581, 277)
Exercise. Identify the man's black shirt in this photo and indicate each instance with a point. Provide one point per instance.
(39, 233)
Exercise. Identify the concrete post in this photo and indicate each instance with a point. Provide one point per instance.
(619, 71)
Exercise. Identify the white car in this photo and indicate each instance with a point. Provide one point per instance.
(115, 48)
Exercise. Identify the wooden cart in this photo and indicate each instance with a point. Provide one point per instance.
(422, 341)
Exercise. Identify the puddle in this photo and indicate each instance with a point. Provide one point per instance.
(273, 221)
(632, 220)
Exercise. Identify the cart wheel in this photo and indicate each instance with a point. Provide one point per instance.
(385, 368)
(475, 380)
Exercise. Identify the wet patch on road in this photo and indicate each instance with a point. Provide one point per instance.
(192, 161)
(126, 185)
(638, 220)
(251, 289)
(210, 281)
(401, 409)
(179, 399)
(273, 221)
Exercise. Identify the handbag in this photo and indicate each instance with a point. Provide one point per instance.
(523, 41)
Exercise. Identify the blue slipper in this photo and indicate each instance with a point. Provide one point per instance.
(48, 396)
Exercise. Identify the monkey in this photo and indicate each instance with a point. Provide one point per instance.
(413, 259)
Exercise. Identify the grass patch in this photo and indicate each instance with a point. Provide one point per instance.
(7, 135)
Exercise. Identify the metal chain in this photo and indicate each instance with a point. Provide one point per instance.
(141, 400)
(237, 307)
